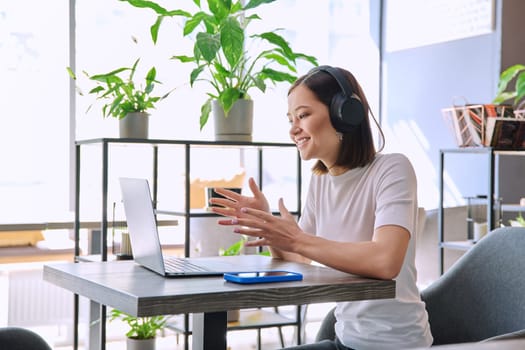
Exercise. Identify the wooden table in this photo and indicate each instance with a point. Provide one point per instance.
(133, 289)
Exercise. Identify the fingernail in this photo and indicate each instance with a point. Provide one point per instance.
(244, 210)
(237, 230)
(235, 221)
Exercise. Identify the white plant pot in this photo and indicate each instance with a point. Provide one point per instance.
(238, 125)
(140, 344)
(207, 237)
(134, 126)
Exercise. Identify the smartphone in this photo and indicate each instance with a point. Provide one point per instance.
(262, 276)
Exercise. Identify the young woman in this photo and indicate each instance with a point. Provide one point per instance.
(359, 216)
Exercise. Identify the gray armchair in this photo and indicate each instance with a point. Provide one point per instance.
(481, 297)
(483, 294)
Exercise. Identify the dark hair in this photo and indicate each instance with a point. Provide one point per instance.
(357, 147)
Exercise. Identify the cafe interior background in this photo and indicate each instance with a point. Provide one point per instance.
(412, 59)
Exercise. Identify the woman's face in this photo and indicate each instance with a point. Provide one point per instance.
(311, 129)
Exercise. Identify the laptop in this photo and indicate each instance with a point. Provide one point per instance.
(145, 242)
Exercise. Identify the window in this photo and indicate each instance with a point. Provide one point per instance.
(36, 159)
(34, 181)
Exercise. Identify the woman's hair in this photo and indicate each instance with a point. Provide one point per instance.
(357, 146)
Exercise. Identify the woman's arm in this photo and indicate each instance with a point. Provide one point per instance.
(382, 257)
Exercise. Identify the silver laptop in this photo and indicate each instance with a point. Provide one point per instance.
(145, 242)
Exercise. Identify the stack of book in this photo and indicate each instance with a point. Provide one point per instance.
(486, 125)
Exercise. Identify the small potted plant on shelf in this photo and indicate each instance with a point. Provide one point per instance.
(220, 57)
(142, 330)
(124, 99)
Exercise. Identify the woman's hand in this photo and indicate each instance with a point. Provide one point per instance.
(278, 232)
(232, 204)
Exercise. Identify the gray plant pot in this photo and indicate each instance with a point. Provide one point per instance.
(238, 125)
(134, 125)
(140, 344)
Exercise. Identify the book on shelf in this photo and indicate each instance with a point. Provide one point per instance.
(505, 133)
(469, 122)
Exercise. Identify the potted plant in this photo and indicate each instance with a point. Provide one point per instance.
(219, 31)
(515, 93)
(124, 99)
(142, 330)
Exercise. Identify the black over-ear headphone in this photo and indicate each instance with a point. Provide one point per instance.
(346, 110)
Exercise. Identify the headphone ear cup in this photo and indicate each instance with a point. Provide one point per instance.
(346, 113)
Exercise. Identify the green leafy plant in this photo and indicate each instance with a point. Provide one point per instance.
(140, 327)
(120, 93)
(234, 249)
(520, 220)
(515, 93)
(237, 247)
(219, 31)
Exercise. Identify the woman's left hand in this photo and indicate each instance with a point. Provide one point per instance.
(281, 232)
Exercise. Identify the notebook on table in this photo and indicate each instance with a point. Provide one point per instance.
(145, 241)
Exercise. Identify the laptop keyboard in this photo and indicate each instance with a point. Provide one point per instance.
(178, 265)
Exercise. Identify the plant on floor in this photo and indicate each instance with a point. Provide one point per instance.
(219, 31)
(140, 327)
(515, 93)
(121, 95)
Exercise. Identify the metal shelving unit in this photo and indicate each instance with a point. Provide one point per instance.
(106, 145)
(492, 157)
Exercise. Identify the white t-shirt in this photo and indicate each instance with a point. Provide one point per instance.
(348, 208)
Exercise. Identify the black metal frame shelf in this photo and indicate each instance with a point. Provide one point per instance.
(185, 213)
(492, 155)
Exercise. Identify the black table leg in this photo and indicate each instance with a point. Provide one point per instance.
(209, 331)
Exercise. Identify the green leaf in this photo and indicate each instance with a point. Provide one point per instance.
(109, 76)
(220, 8)
(195, 74)
(228, 97)
(278, 40)
(208, 45)
(274, 56)
(71, 74)
(193, 22)
(232, 41)
(259, 83)
(504, 96)
(152, 73)
(255, 3)
(520, 219)
(507, 75)
(234, 249)
(520, 87)
(278, 76)
(308, 58)
(96, 90)
(154, 29)
(184, 59)
(133, 69)
(205, 113)
(147, 4)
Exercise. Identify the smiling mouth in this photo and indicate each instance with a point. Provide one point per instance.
(300, 141)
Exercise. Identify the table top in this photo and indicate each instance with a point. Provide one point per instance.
(135, 290)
